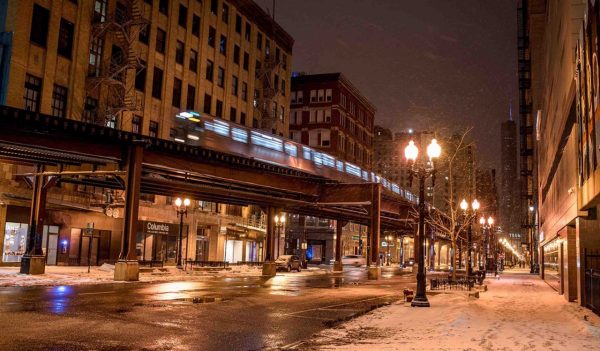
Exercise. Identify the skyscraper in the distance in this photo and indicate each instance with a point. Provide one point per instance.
(509, 188)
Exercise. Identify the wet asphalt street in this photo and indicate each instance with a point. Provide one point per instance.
(245, 313)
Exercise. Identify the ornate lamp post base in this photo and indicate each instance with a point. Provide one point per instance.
(420, 302)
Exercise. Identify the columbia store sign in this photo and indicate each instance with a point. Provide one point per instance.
(159, 228)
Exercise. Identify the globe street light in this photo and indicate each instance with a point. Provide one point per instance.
(279, 225)
(182, 206)
(421, 170)
(486, 224)
(469, 215)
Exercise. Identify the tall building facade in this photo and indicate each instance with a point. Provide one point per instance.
(133, 65)
(510, 204)
(328, 113)
(558, 42)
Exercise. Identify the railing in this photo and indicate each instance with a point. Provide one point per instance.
(450, 284)
(251, 264)
(151, 263)
(592, 280)
(211, 264)
(592, 290)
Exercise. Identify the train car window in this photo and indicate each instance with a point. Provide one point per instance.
(339, 165)
(267, 141)
(352, 169)
(291, 149)
(307, 153)
(239, 134)
(218, 127)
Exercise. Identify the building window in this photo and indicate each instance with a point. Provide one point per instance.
(248, 31)
(328, 115)
(182, 21)
(59, 101)
(33, 89)
(293, 97)
(246, 61)
(219, 109)
(244, 91)
(163, 6)
(191, 98)
(140, 77)
(283, 87)
(257, 68)
(284, 62)
(207, 103)
(233, 114)
(256, 97)
(236, 54)
(300, 96)
(234, 86)
(214, 6)
(144, 36)
(179, 49)
(238, 24)
(194, 61)
(196, 25)
(328, 94)
(259, 40)
(95, 61)
(176, 93)
(267, 49)
(90, 110)
(313, 96)
(157, 81)
(111, 121)
(99, 11)
(209, 70)
(221, 77)
(212, 34)
(319, 138)
(321, 95)
(153, 129)
(223, 45)
(136, 124)
(281, 113)
(39, 25)
(225, 13)
(243, 118)
(161, 40)
(65, 38)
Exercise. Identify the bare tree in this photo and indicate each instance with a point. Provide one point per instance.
(449, 219)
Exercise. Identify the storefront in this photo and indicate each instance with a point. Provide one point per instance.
(15, 228)
(243, 246)
(551, 263)
(157, 241)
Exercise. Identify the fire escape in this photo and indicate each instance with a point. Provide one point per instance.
(265, 102)
(526, 130)
(114, 80)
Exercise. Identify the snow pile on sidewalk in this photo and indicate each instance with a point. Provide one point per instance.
(519, 312)
(57, 275)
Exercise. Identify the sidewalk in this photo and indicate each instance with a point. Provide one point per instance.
(78, 275)
(518, 312)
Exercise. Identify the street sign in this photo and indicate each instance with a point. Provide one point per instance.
(356, 237)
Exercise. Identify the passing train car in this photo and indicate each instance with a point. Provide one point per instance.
(193, 128)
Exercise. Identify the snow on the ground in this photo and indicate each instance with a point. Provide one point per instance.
(518, 312)
(77, 275)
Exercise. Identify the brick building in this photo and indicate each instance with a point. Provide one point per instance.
(132, 65)
(330, 114)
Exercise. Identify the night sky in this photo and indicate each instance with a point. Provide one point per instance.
(424, 63)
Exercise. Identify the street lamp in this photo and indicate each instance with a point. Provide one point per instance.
(421, 170)
(388, 238)
(469, 217)
(279, 225)
(182, 206)
(486, 224)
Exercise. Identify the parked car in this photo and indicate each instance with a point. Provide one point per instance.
(410, 262)
(288, 263)
(354, 260)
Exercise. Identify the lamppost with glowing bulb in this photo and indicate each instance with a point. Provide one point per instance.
(486, 224)
(470, 213)
(279, 225)
(182, 208)
(422, 170)
(388, 255)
